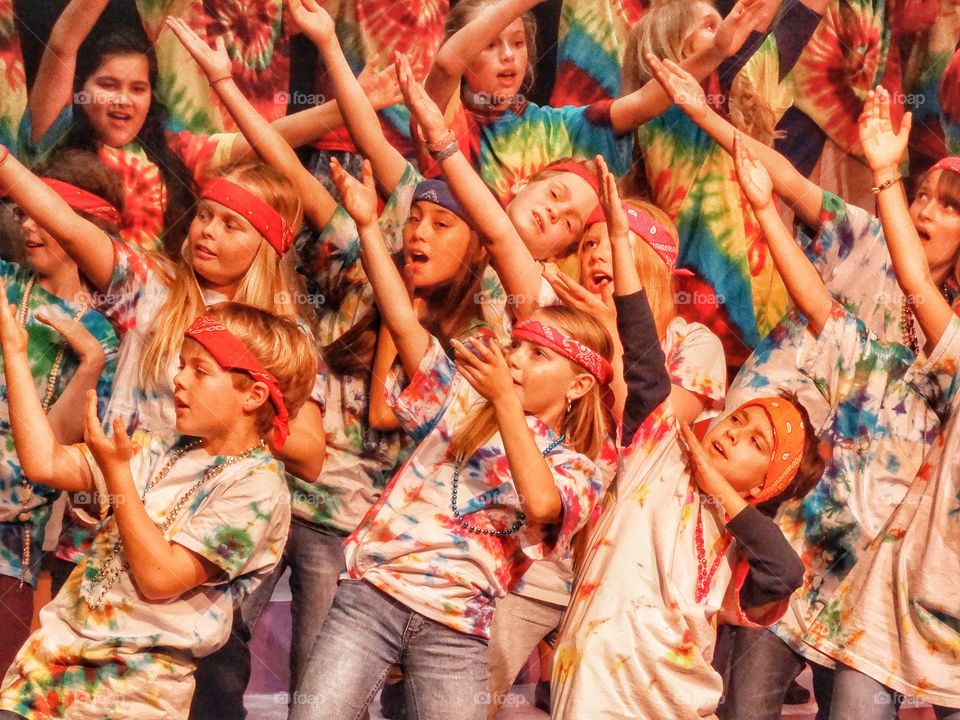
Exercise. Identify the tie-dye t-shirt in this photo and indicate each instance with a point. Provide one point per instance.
(850, 253)
(44, 344)
(515, 144)
(950, 105)
(410, 545)
(131, 657)
(896, 617)
(13, 79)
(634, 642)
(591, 41)
(144, 191)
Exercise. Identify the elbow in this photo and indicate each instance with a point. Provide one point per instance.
(544, 510)
(383, 419)
(792, 575)
(158, 588)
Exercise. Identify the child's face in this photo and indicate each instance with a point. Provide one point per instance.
(938, 225)
(435, 244)
(549, 214)
(205, 399)
(41, 251)
(739, 447)
(116, 98)
(221, 246)
(596, 259)
(498, 70)
(702, 34)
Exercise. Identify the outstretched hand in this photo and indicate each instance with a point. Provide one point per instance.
(882, 146)
(752, 176)
(314, 21)
(12, 336)
(680, 86)
(481, 361)
(113, 453)
(421, 105)
(616, 217)
(358, 199)
(84, 345)
(215, 62)
(380, 85)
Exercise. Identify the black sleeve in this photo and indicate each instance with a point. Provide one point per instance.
(775, 569)
(648, 383)
(793, 31)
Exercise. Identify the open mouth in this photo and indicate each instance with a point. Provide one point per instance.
(538, 219)
(119, 115)
(33, 245)
(203, 251)
(600, 279)
(924, 235)
(718, 449)
(417, 258)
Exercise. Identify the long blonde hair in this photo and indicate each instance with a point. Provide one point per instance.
(263, 286)
(587, 423)
(656, 277)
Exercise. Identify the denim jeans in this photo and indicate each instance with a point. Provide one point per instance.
(761, 669)
(859, 697)
(316, 561)
(365, 633)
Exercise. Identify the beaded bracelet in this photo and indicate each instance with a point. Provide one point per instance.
(4, 154)
(441, 144)
(220, 79)
(886, 183)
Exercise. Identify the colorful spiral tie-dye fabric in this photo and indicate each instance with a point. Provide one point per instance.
(13, 81)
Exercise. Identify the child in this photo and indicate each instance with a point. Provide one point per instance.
(662, 563)
(501, 475)
(848, 248)
(72, 349)
(104, 100)
(194, 524)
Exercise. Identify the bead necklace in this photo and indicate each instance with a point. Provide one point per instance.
(704, 578)
(112, 568)
(907, 328)
(483, 531)
(26, 487)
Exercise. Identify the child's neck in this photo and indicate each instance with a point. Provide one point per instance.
(65, 285)
(232, 442)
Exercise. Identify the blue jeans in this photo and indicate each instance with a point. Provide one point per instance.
(365, 633)
(859, 697)
(761, 669)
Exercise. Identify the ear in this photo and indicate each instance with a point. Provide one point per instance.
(257, 395)
(580, 386)
(755, 491)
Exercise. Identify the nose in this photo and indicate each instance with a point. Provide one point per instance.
(28, 223)
(506, 50)
(927, 208)
(178, 379)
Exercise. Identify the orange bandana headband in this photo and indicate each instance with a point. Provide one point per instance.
(789, 437)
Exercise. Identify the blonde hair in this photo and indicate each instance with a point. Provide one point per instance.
(656, 277)
(280, 346)
(587, 423)
(264, 284)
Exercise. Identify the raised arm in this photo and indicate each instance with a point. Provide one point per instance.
(632, 110)
(396, 309)
(884, 149)
(53, 87)
(800, 277)
(518, 270)
(360, 117)
(801, 195)
(318, 205)
(42, 458)
(462, 48)
(89, 246)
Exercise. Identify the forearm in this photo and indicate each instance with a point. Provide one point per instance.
(801, 195)
(532, 477)
(379, 413)
(299, 128)
(803, 282)
(306, 447)
(41, 457)
(396, 310)
(66, 415)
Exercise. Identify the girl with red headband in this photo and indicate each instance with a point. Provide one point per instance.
(848, 247)
(191, 524)
(71, 349)
(501, 475)
(680, 541)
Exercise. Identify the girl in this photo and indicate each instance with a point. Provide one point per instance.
(444, 261)
(488, 47)
(71, 349)
(898, 626)
(694, 360)
(662, 563)
(848, 248)
(104, 100)
(491, 485)
(736, 291)
(194, 524)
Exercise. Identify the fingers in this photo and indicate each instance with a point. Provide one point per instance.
(905, 126)
(120, 438)
(368, 175)
(92, 432)
(341, 178)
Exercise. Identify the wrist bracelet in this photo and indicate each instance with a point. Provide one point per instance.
(4, 154)
(886, 183)
(220, 79)
(443, 143)
(449, 150)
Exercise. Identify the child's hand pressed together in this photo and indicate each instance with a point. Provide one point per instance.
(358, 199)
(481, 361)
(708, 478)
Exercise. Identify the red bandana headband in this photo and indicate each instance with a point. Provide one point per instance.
(948, 163)
(789, 438)
(571, 348)
(83, 201)
(231, 354)
(647, 229)
(264, 218)
(577, 168)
